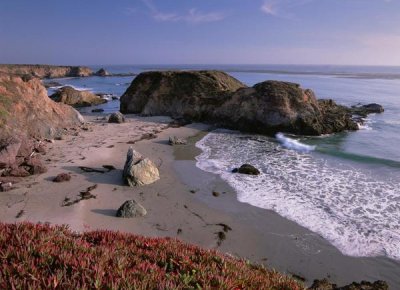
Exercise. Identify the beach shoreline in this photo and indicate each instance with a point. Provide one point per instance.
(186, 203)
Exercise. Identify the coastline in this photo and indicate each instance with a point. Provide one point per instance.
(259, 235)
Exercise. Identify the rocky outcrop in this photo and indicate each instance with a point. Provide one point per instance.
(173, 140)
(364, 110)
(116, 117)
(215, 97)
(139, 170)
(45, 71)
(25, 109)
(246, 169)
(324, 284)
(131, 209)
(192, 94)
(70, 96)
(102, 73)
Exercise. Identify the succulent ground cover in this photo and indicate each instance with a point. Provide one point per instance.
(37, 256)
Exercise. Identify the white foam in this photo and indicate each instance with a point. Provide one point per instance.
(293, 144)
(356, 211)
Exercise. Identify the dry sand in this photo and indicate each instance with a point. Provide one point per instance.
(181, 204)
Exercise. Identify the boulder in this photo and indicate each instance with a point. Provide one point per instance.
(189, 94)
(246, 169)
(215, 97)
(139, 170)
(102, 73)
(173, 140)
(62, 177)
(116, 117)
(70, 96)
(131, 209)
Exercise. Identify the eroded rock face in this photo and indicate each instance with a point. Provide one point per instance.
(139, 170)
(70, 96)
(191, 94)
(131, 209)
(215, 97)
(45, 71)
(25, 109)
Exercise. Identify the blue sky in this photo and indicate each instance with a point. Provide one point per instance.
(361, 32)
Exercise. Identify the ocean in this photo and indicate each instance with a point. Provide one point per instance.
(345, 186)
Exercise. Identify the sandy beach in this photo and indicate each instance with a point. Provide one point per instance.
(186, 203)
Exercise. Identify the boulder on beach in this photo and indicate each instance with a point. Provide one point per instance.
(131, 209)
(70, 96)
(246, 169)
(116, 117)
(139, 170)
(215, 97)
(190, 94)
(173, 140)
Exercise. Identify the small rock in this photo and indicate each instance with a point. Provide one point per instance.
(5, 186)
(130, 209)
(97, 110)
(246, 169)
(173, 140)
(116, 117)
(215, 193)
(62, 177)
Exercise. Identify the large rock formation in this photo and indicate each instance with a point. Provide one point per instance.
(191, 94)
(45, 71)
(70, 96)
(25, 109)
(26, 114)
(215, 97)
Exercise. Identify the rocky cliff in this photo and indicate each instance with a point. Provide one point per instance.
(25, 109)
(45, 71)
(215, 97)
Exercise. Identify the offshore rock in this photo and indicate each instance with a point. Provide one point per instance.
(70, 96)
(139, 170)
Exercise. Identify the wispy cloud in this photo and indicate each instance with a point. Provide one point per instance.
(191, 16)
(282, 8)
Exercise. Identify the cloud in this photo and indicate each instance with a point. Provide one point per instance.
(191, 16)
(282, 8)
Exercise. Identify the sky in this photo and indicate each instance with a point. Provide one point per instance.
(89, 32)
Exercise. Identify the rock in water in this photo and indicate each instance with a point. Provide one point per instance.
(364, 110)
(246, 169)
(130, 209)
(173, 140)
(70, 96)
(116, 117)
(102, 73)
(139, 170)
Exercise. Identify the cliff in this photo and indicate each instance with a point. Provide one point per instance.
(45, 71)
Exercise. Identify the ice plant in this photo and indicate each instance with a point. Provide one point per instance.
(37, 256)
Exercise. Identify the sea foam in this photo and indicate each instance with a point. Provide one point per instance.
(353, 209)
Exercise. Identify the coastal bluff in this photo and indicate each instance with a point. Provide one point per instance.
(218, 98)
(45, 71)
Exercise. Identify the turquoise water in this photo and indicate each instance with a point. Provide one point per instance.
(345, 188)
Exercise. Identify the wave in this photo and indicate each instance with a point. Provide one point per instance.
(355, 209)
(294, 144)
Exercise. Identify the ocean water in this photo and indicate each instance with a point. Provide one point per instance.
(345, 186)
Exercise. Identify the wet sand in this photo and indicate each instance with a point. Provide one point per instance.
(181, 204)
